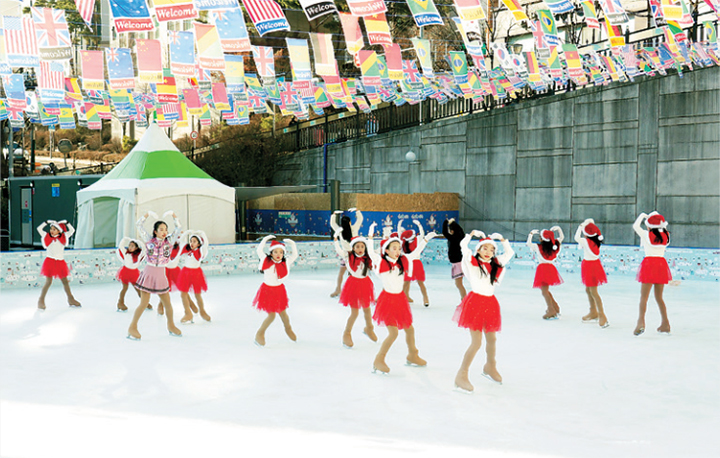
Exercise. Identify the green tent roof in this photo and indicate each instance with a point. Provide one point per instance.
(155, 156)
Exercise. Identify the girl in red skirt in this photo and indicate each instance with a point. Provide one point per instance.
(593, 274)
(358, 292)
(341, 223)
(654, 269)
(191, 276)
(409, 241)
(392, 307)
(479, 311)
(54, 265)
(272, 297)
(546, 274)
(131, 253)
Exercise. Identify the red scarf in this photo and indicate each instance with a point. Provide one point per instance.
(195, 252)
(356, 262)
(485, 265)
(135, 254)
(280, 267)
(48, 239)
(384, 267)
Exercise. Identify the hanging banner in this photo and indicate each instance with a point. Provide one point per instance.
(51, 31)
(266, 15)
(174, 10)
(299, 60)
(323, 53)
(369, 68)
(21, 42)
(353, 34)
(559, 6)
(131, 16)
(549, 28)
(317, 8)
(422, 50)
(424, 12)
(591, 20)
(149, 61)
(361, 8)
(377, 28)
(235, 73)
(210, 55)
(264, 61)
(182, 53)
(469, 10)
(120, 68)
(393, 60)
(231, 28)
(614, 11)
(93, 75)
(515, 9)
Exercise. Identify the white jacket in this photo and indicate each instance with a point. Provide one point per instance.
(126, 258)
(656, 251)
(479, 281)
(392, 280)
(191, 259)
(270, 277)
(345, 255)
(55, 249)
(583, 244)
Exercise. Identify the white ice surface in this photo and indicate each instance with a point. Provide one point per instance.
(72, 386)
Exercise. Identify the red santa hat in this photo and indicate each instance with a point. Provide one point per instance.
(591, 230)
(656, 221)
(59, 225)
(548, 236)
(385, 243)
(408, 235)
(277, 244)
(485, 241)
(357, 239)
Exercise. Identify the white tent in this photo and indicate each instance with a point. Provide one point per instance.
(154, 176)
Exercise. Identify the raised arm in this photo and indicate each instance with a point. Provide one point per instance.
(121, 248)
(422, 243)
(508, 252)
(530, 237)
(41, 229)
(421, 231)
(338, 249)
(578, 233)
(359, 218)
(374, 256)
(140, 225)
(292, 257)
(400, 227)
(261, 247)
(561, 235)
(70, 229)
(465, 245)
(176, 223)
(636, 225)
(445, 231)
(204, 248)
(334, 225)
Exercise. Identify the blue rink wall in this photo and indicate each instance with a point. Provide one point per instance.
(22, 269)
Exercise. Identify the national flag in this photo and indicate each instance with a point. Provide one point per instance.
(554, 66)
(353, 34)
(235, 73)
(149, 60)
(52, 31)
(471, 35)
(264, 60)
(591, 20)
(614, 11)
(21, 42)
(120, 68)
(93, 75)
(210, 55)
(72, 89)
(424, 12)
(574, 64)
(266, 15)
(515, 9)
(220, 98)
(174, 10)
(299, 60)
(412, 75)
(363, 8)
(51, 81)
(86, 8)
(182, 53)
(131, 16)
(559, 6)
(231, 28)
(192, 99)
(393, 60)
(549, 27)
(378, 31)
(167, 90)
(14, 85)
(459, 66)
(3, 111)
(369, 68)
(615, 36)
(710, 32)
(317, 8)
(323, 53)
(422, 50)
(469, 10)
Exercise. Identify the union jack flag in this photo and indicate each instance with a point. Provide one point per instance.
(264, 60)
(51, 28)
(412, 75)
(112, 54)
(173, 37)
(20, 35)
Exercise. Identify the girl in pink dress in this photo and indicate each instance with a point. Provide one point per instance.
(272, 296)
(54, 265)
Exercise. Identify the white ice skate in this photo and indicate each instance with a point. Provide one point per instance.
(489, 377)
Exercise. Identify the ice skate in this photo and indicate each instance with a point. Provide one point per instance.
(204, 315)
(549, 316)
(592, 316)
(347, 340)
(664, 330)
(427, 304)
(379, 365)
(72, 302)
(414, 359)
(41, 304)
(187, 319)
(639, 329)
(121, 307)
(462, 383)
(492, 374)
(174, 331)
(132, 337)
(133, 334)
(603, 322)
(149, 307)
(368, 331)
(290, 334)
(260, 339)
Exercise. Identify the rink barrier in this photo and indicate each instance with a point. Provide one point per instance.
(21, 269)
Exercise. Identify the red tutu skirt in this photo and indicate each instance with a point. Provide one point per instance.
(592, 273)
(127, 275)
(191, 279)
(271, 299)
(172, 274)
(547, 274)
(54, 268)
(654, 270)
(478, 313)
(393, 310)
(418, 272)
(357, 292)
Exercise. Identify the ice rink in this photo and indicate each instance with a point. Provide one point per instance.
(73, 386)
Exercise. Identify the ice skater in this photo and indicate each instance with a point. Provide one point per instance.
(454, 234)
(153, 280)
(194, 251)
(54, 265)
(131, 253)
(358, 292)
(272, 296)
(172, 271)
(592, 272)
(480, 311)
(392, 307)
(654, 269)
(546, 274)
(348, 231)
(417, 273)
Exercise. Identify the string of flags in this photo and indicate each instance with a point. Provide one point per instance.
(201, 72)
